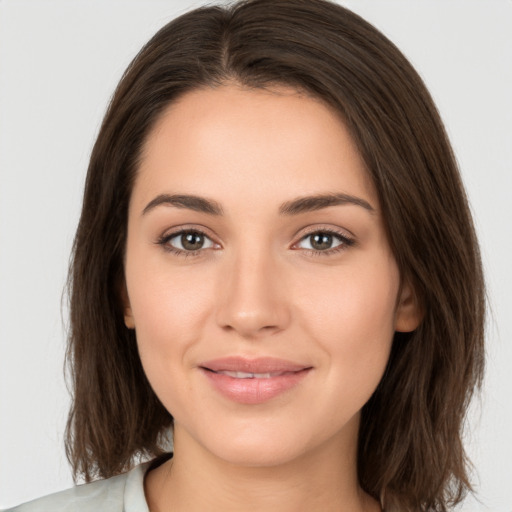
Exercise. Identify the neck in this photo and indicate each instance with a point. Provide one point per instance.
(196, 480)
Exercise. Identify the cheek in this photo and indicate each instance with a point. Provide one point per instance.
(170, 313)
(169, 307)
(351, 316)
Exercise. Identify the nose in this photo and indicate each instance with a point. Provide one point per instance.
(252, 297)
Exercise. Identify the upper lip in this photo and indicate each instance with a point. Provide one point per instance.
(258, 365)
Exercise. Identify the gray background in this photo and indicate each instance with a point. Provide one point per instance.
(59, 63)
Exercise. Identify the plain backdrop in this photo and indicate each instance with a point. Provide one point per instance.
(59, 63)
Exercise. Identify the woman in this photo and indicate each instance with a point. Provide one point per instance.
(275, 260)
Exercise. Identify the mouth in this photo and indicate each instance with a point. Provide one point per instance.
(248, 375)
(253, 381)
(261, 366)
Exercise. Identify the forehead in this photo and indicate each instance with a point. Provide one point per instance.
(258, 143)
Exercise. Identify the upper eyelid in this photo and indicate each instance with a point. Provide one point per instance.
(325, 228)
(206, 231)
(345, 239)
(171, 232)
(341, 233)
(166, 238)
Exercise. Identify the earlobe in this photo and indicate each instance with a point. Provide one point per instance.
(409, 312)
(128, 318)
(127, 310)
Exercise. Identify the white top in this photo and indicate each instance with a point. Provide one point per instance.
(121, 493)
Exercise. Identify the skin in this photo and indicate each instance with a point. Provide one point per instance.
(257, 289)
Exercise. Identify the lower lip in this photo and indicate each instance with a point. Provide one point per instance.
(254, 391)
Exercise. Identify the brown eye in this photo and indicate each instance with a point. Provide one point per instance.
(192, 241)
(321, 241)
(188, 241)
(324, 241)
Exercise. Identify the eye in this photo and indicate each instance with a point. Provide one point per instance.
(324, 241)
(187, 241)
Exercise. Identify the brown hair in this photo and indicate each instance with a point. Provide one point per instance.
(410, 447)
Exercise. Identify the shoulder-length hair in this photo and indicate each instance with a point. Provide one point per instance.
(410, 447)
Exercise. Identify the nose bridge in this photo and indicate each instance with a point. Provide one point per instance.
(252, 300)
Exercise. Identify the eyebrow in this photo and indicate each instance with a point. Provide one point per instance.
(191, 202)
(320, 201)
(293, 207)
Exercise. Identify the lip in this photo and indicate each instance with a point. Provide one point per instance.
(273, 377)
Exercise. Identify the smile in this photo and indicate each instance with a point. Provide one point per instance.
(246, 375)
(253, 381)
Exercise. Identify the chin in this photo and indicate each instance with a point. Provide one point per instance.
(260, 454)
(254, 446)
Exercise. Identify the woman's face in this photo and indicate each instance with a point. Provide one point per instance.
(259, 279)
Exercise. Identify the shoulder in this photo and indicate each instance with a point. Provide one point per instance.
(122, 493)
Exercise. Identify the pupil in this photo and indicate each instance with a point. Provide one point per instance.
(192, 241)
(321, 241)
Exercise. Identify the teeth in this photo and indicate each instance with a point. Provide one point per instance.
(246, 375)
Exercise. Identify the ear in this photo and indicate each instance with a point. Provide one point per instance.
(409, 313)
(127, 310)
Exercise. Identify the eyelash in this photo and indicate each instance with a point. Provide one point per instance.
(164, 242)
(346, 242)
